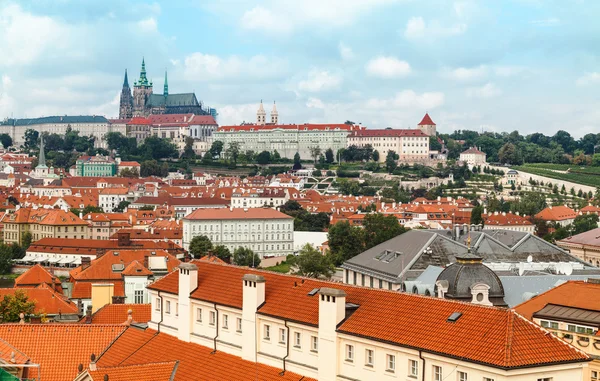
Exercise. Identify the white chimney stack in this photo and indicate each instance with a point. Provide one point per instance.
(253, 295)
(332, 310)
(188, 282)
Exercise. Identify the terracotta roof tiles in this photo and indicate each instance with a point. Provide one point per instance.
(145, 372)
(118, 313)
(46, 300)
(236, 214)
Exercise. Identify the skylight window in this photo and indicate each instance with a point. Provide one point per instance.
(454, 317)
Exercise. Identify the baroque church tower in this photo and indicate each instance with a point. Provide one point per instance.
(274, 115)
(142, 89)
(261, 115)
(126, 103)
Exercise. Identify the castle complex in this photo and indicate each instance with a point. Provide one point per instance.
(144, 102)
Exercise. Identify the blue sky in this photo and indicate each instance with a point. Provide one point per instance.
(527, 65)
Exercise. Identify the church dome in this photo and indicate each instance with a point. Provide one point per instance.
(470, 280)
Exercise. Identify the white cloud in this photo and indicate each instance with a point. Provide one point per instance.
(284, 16)
(409, 99)
(148, 25)
(588, 79)
(489, 90)
(315, 103)
(345, 52)
(25, 37)
(207, 67)
(320, 80)
(235, 114)
(465, 73)
(417, 29)
(387, 67)
(262, 18)
(508, 71)
(552, 21)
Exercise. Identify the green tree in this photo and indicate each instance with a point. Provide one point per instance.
(315, 152)
(153, 168)
(329, 156)
(245, 257)
(375, 155)
(12, 305)
(390, 161)
(297, 163)
(222, 253)
(345, 241)
(379, 228)
(157, 148)
(476, 215)
(215, 149)
(233, 152)
(88, 209)
(131, 173)
(584, 223)
(26, 239)
(263, 158)
(6, 140)
(188, 150)
(508, 154)
(122, 206)
(200, 245)
(31, 138)
(311, 263)
(6, 257)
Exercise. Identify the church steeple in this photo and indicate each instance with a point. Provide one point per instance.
(143, 81)
(125, 81)
(261, 115)
(166, 88)
(274, 114)
(42, 158)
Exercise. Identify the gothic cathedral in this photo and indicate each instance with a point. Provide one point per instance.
(144, 102)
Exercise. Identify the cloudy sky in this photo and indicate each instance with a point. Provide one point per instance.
(529, 65)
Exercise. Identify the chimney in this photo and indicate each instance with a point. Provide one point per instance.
(188, 282)
(332, 310)
(88, 315)
(252, 297)
(85, 262)
(146, 261)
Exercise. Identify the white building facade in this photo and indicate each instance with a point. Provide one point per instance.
(473, 157)
(316, 344)
(265, 231)
(412, 146)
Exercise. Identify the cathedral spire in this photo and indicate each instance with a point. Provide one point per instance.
(143, 81)
(42, 158)
(126, 81)
(166, 89)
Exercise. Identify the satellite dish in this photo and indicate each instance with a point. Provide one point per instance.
(568, 269)
(529, 259)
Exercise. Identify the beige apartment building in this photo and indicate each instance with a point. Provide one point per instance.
(42, 223)
(412, 146)
(336, 332)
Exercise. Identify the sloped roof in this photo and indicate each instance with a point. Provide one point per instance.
(196, 362)
(556, 213)
(73, 119)
(172, 100)
(389, 132)
(36, 275)
(576, 294)
(164, 371)
(588, 238)
(493, 336)
(46, 300)
(135, 268)
(118, 314)
(236, 214)
(426, 121)
(473, 150)
(293, 127)
(505, 219)
(59, 348)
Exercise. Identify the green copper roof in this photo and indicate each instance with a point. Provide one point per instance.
(143, 81)
(166, 89)
(172, 100)
(55, 120)
(125, 82)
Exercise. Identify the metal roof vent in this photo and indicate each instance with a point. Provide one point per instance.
(313, 291)
(118, 267)
(454, 317)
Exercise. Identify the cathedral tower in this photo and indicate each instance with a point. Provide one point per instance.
(142, 89)
(427, 126)
(126, 103)
(166, 88)
(261, 115)
(274, 115)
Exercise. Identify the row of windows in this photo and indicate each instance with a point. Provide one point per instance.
(212, 318)
(314, 340)
(231, 226)
(390, 360)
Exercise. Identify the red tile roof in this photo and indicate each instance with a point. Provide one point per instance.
(196, 362)
(83, 289)
(510, 340)
(46, 300)
(576, 294)
(426, 121)
(388, 132)
(59, 348)
(236, 214)
(95, 246)
(164, 371)
(135, 268)
(556, 213)
(506, 219)
(35, 276)
(202, 120)
(118, 313)
(297, 127)
(473, 150)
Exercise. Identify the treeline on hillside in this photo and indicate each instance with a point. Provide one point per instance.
(514, 148)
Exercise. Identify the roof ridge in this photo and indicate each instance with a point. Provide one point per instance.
(134, 365)
(508, 340)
